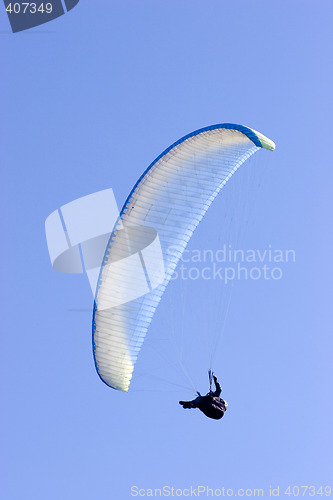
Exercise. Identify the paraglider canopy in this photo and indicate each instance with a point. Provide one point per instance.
(155, 224)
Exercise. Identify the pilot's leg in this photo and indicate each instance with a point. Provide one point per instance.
(191, 404)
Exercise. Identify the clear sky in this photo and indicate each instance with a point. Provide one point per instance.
(88, 101)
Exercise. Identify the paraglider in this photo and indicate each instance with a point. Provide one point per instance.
(154, 227)
(212, 405)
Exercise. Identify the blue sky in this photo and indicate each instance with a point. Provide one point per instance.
(88, 101)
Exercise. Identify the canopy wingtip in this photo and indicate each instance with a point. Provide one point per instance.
(265, 142)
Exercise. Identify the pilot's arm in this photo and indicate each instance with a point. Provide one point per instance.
(218, 389)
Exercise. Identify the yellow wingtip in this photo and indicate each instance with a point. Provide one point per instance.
(265, 142)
